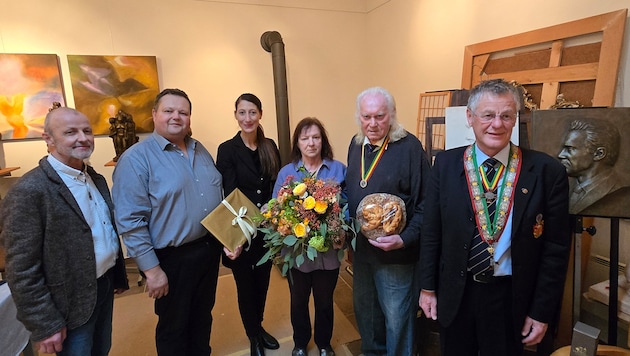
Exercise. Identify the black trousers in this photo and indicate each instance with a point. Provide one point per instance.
(252, 283)
(322, 283)
(184, 315)
(484, 325)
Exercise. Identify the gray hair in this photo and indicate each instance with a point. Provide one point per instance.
(496, 87)
(396, 130)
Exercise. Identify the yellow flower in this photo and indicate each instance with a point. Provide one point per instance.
(309, 203)
(320, 207)
(299, 189)
(299, 230)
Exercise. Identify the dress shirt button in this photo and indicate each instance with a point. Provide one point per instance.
(258, 191)
(258, 205)
(465, 246)
(461, 273)
(261, 179)
(201, 194)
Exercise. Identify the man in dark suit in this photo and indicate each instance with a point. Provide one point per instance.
(496, 235)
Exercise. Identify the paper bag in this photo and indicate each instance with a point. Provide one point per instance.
(231, 221)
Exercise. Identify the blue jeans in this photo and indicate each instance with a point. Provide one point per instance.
(385, 306)
(94, 337)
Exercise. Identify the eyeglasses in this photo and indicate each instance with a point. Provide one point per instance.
(489, 116)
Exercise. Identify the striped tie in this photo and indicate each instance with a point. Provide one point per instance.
(479, 257)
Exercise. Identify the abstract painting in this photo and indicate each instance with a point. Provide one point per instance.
(103, 85)
(29, 84)
(593, 146)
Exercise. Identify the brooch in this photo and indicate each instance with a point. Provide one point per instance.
(538, 226)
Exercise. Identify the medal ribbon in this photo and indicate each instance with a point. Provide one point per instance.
(491, 231)
(491, 186)
(366, 176)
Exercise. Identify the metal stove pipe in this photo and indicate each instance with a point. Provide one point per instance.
(271, 41)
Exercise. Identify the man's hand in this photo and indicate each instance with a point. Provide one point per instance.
(54, 343)
(157, 282)
(233, 255)
(428, 303)
(533, 331)
(388, 243)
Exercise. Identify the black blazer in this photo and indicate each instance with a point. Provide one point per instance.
(241, 169)
(539, 264)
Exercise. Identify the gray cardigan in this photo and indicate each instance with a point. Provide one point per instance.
(51, 268)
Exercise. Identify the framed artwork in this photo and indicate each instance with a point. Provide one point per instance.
(29, 84)
(592, 144)
(103, 85)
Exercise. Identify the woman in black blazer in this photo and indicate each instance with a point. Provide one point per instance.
(250, 162)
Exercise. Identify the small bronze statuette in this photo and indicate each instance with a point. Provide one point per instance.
(122, 130)
(55, 105)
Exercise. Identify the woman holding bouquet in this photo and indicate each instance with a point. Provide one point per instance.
(250, 162)
(312, 155)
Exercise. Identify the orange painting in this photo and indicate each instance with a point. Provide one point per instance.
(29, 84)
(102, 85)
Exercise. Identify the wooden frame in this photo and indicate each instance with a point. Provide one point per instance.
(609, 26)
(428, 141)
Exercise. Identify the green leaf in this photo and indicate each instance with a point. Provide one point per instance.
(311, 252)
(340, 255)
(266, 257)
(285, 268)
(299, 260)
(323, 228)
(290, 240)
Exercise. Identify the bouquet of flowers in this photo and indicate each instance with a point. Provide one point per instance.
(306, 218)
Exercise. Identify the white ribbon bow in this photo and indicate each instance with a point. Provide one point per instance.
(244, 222)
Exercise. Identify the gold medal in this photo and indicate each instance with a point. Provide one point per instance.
(365, 176)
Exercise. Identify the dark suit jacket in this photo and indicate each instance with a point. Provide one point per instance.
(538, 264)
(51, 267)
(241, 170)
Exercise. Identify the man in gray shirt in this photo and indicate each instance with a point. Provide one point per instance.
(163, 187)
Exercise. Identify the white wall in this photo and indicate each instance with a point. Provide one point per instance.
(418, 46)
(211, 49)
(334, 49)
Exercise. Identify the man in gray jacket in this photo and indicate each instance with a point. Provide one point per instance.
(64, 260)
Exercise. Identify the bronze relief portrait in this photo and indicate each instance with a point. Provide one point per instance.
(593, 145)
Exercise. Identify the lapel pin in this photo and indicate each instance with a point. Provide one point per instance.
(524, 190)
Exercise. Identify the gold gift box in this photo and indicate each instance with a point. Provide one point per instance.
(231, 226)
